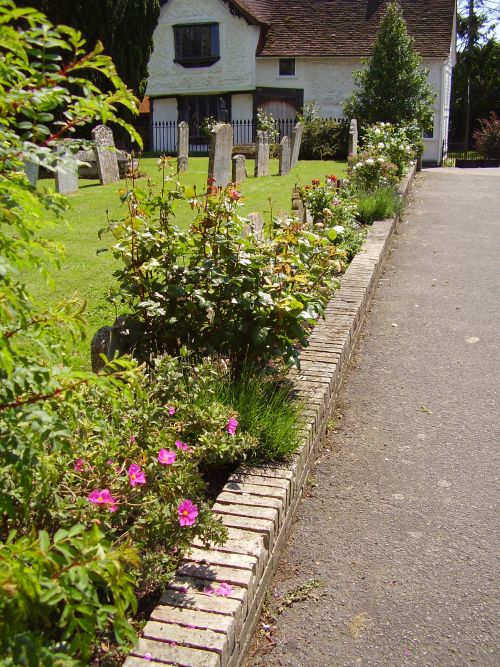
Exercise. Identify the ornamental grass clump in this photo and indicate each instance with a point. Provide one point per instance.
(378, 204)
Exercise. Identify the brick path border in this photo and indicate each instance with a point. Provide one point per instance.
(193, 629)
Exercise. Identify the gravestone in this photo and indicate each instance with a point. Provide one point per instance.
(285, 156)
(255, 226)
(182, 164)
(182, 146)
(262, 154)
(31, 170)
(67, 175)
(296, 143)
(105, 154)
(221, 148)
(239, 169)
(89, 169)
(298, 208)
(353, 138)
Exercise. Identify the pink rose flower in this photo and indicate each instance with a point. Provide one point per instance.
(231, 426)
(103, 497)
(79, 465)
(170, 410)
(136, 475)
(188, 512)
(181, 445)
(166, 457)
(132, 439)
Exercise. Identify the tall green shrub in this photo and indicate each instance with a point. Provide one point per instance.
(392, 86)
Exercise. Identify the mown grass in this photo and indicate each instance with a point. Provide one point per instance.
(88, 273)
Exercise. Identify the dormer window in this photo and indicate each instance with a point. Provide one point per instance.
(196, 44)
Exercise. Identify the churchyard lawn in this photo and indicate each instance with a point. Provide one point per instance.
(88, 274)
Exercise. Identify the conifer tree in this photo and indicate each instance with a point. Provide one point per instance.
(392, 86)
(125, 27)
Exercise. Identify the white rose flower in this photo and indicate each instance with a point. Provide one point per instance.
(380, 145)
(381, 160)
(370, 161)
(359, 164)
(376, 131)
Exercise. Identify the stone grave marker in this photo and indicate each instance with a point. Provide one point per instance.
(296, 143)
(221, 148)
(285, 156)
(182, 146)
(262, 154)
(239, 169)
(255, 226)
(105, 153)
(353, 138)
(31, 170)
(67, 175)
(298, 208)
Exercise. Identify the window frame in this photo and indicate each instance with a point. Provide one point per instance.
(288, 61)
(198, 60)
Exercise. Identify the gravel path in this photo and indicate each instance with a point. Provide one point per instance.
(392, 558)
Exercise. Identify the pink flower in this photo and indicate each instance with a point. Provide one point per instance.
(234, 195)
(181, 445)
(103, 497)
(136, 475)
(79, 465)
(188, 512)
(224, 590)
(231, 426)
(170, 410)
(166, 457)
(132, 439)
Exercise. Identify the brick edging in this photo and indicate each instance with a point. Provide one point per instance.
(195, 629)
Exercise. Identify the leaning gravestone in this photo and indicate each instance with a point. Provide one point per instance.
(298, 208)
(296, 143)
(221, 148)
(255, 226)
(285, 156)
(31, 170)
(353, 138)
(239, 169)
(105, 153)
(67, 175)
(262, 154)
(182, 146)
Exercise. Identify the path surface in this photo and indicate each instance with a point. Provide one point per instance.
(400, 524)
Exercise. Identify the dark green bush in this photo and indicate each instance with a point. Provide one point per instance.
(378, 205)
(324, 139)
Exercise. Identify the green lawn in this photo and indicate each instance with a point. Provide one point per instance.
(89, 274)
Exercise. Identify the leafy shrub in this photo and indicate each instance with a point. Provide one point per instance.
(368, 173)
(487, 138)
(210, 289)
(379, 204)
(267, 123)
(324, 139)
(394, 143)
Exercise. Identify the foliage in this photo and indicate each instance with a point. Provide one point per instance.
(207, 125)
(210, 288)
(481, 62)
(392, 86)
(396, 143)
(324, 139)
(266, 409)
(378, 204)
(267, 123)
(487, 138)
(55, 593)
(111, 22)
(369, 173)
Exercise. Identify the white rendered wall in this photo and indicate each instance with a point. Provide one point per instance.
(433, 146)
(164, 125)
(235, 70)
(242, 110)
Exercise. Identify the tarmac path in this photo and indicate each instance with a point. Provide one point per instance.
(393, 559)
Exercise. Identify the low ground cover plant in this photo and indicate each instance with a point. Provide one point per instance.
(378, 204)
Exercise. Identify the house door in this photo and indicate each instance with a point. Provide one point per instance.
(284, 113)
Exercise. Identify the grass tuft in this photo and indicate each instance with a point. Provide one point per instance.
(378, 205)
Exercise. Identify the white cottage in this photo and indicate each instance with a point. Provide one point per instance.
(225, 58)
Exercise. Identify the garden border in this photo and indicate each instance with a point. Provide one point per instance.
(193, 628)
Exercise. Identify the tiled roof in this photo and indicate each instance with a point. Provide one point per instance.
(344, 27)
